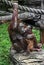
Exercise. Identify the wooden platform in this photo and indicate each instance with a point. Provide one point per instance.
(34, 58)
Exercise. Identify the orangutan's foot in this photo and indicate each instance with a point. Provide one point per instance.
(36, 49)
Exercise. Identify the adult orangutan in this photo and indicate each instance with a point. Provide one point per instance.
(15, 37)
(21, 34)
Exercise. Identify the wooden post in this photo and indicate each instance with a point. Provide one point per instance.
(42, 36)
(42, 31)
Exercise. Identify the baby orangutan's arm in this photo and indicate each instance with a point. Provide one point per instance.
(30, 45)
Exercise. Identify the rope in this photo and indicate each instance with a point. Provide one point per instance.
(23, 8)
(22, 16)
(33, 10)
(8, 3)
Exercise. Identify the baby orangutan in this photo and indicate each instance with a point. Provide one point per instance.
(30, 40)
(32, 43)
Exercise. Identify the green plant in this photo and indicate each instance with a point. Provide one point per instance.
(4, 45)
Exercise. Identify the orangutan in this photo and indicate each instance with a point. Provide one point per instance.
(21, 34)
